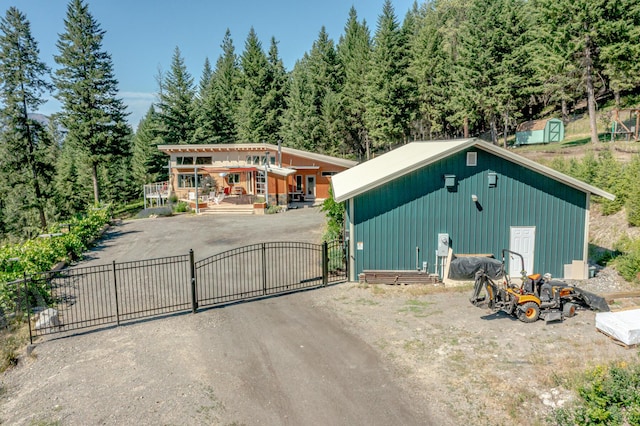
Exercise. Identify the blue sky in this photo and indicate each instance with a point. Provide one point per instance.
(141, 34)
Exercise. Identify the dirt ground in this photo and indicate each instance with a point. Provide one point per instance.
(345, 354)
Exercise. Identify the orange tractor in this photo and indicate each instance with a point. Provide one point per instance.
(534, 297)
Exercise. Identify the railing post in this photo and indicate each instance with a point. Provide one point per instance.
(194, 296)
(325, 263)
(26, 293)
(264, 269)
(115, 292)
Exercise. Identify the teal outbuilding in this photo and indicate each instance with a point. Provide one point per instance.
(407, 207)
(540, 131)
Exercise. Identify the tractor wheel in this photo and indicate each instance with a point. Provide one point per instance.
(569, 310)
(529, 312)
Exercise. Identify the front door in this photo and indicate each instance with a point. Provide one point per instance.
(311, 187)
(523, 241)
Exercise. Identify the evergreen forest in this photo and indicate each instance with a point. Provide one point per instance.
(446, 69)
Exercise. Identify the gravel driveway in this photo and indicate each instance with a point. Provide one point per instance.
(286, 360)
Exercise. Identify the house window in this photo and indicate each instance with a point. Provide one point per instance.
(326, 174)
(186, 181)
(259, 160)
(203, 160)
(182, 161)
(233, 178)
(472, 159)
(298, 183)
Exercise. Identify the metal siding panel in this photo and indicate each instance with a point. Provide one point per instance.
(410, 211)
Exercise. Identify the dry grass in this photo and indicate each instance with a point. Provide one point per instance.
(13, 340)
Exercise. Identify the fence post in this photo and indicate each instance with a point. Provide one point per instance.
(264, 269)
(325, 263)
(115, 289)
(194, 297)
(26, 293)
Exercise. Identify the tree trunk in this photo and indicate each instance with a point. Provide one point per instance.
(616, 97)
(96, 188)
(32, 165)
(465, 127)
(591, 97)
(506, 128)
(494, 130)
(565, 112)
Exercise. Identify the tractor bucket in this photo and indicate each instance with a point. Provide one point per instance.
(593, 301)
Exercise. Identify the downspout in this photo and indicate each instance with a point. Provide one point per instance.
(352, 253)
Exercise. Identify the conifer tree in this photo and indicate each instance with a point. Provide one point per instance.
(388, 111)
(26, 149)
(251, 113)
(148, 163)
(493, 60)
(300, 115)
(274, 100)
(226, 87)
(206, 108)
(353, 51)
(176, 106)
(87, 88)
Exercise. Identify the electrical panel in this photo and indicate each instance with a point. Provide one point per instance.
(443, 244)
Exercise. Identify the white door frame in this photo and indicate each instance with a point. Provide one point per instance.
(310, 189)
(522, 240)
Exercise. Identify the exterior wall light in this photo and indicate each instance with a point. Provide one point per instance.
(474, 198)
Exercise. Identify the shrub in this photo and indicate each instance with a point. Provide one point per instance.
(628, 263)
(41, 254)
(608, 395)
(335, 218)
(181, 207)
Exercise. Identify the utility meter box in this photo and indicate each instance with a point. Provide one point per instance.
(443, 244)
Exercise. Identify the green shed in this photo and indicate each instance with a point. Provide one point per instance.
(407, 207)
(540, 131)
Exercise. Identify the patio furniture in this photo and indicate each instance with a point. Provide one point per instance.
(218, 198)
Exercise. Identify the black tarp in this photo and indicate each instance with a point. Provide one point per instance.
(465, 268)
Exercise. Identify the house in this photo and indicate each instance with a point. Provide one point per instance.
(281, 174)
(405, 208)
(540, 131)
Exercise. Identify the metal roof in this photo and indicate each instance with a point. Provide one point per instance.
(273, 149)
(415, 155)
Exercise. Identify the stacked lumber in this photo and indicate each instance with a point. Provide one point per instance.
(397, 277)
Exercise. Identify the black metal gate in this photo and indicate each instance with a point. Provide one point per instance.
(77, 298)
(265, 269)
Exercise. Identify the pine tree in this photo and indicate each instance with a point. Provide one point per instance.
(493, 60)
(598, 37)
(313, 117)
(274, 100)
(354, 50)
(226, 86)
(388, 112)
(148, 163)
(206, 109)
(176, 106)
(251, 113)
(87, 88)
(26, 149)
(300, 115)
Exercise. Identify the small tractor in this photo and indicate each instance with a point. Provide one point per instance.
(534, 297)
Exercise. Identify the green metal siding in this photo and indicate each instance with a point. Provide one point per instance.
(392, 220)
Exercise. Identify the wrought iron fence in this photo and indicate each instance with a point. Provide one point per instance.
(78, 298)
